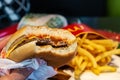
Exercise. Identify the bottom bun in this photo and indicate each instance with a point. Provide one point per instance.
(55, 57)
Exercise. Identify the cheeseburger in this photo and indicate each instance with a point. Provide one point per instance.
(55, 46)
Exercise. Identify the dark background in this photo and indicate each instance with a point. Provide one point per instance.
(94, 13)
(70, 7)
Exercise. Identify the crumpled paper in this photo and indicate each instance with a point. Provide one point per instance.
(41, 70)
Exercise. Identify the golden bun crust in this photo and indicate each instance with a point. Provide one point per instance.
(54, 56)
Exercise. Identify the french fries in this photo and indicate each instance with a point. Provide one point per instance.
(84, 52)
(107, 43)
(94, 55)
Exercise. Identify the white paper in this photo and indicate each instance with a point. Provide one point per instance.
(42, 70)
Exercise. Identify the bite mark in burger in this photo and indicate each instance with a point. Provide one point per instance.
(56, 46)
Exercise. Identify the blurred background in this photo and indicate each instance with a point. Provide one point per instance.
(101, 14)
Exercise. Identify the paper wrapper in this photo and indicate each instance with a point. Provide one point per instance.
(41, 70)
(50, 20)
(81, 29)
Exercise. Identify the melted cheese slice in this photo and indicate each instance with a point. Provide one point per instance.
(8, 53)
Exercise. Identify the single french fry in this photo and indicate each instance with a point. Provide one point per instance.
(95, 71)
(77, 73)
(108, 53)
(88, 47)
(81, 40)
(73, 62)
(106, 42)
(107, 68)
(79, 61)
(104, 68)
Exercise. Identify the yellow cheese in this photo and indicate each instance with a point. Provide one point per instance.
(8, 53)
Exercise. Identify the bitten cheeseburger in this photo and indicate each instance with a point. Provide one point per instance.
(55, 46)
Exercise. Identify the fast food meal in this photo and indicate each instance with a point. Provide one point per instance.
(56, 46)
(94, 51)
(86, 50)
